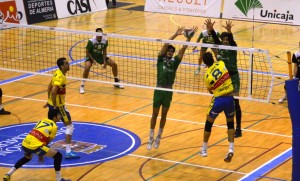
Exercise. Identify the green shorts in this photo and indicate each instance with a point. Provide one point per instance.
(163, 98)
(99, 60)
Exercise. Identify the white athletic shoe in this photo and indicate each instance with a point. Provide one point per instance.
(282, 99)
(203, 153)
(156, 143)
(149, 145)
(118, 86)
(81, 89)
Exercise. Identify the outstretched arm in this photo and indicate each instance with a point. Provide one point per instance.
(210, 27)
(228, 27)
(165, 47)
(182, 50)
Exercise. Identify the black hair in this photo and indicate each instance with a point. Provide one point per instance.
(224, 34)
(208, 59)
(98, 29)
(171, 47)
(53, 113)
(60, 61)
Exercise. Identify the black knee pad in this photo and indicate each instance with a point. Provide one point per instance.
(208, 126)
(230, 124)
(58, 156)
(0, 92)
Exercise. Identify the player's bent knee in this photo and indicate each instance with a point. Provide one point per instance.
(208, 126)
(58, 156)
(230, 124)
(69, 129)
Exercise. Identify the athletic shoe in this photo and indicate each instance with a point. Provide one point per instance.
(228, 157)
(71, 155)
(156, 142)
(119, 86)
(149, 145)
(238, 133)
(203, 153)
(197, 71)
(6, 177)
(284, 98)
(81, 89)
(3, 112)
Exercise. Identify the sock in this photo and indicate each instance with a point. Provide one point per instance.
(58, 175)
(151, 133)
(116, 79)
(204, 146)
(11, 171)
(1, 107)
(82, 83)
(68, 148)
(231, 146)
(160, 131)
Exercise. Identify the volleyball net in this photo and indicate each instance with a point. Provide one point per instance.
(34, 50)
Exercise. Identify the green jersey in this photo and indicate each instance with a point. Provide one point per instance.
(166, 70)
(229, 57)
(96, 48)
(207, 38)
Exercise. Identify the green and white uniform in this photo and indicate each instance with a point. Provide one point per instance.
(207, 38)
(166, 74)
(96, 49)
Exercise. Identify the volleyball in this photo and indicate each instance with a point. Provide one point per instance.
(188, 33)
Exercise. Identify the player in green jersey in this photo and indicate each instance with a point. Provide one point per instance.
(229, 57)
(167, 66)
(96, 52)
(207, 38)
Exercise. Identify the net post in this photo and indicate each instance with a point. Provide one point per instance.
(290, 65)
(250, 77)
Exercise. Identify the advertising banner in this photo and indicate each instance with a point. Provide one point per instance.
(39, 10)
(270, 11)
(67, 8)
(9, 12)
(204, 8)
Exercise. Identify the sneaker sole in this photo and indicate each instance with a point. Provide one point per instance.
(229, 157)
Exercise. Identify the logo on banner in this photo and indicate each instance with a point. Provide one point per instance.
(245, 5)
(9, 13)
(79, 6)
(95, 143)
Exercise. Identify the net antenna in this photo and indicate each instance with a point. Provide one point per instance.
(33, 51)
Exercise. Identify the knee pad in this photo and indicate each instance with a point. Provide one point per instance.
(208, 126)
(230, 124)
(58, 156)
(69, 129)
(0, 92)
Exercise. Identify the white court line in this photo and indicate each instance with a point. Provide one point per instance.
(188, 164)
(149, 116)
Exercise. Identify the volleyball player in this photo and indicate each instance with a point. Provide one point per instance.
(167, 66)
(218, 83)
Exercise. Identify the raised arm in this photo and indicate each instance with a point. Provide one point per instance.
(210, 27)
(165, 47)
(182, 50)
(228, 27)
